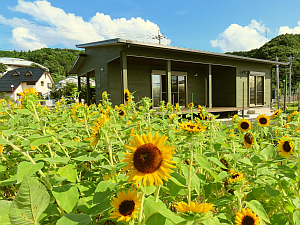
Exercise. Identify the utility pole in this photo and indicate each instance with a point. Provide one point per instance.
(290, 76)
(277, 83)
(159, 37)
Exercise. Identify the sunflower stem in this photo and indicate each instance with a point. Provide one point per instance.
(190, 171)
(298, 158)
(157, 193)
(111, 157)
(141, 209)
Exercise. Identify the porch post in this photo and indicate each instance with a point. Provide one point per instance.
(168, 73)
(209, 86)
(79, 88)
(88, 90)
(123, 60)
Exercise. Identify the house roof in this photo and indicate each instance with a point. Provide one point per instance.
(172, 48)
(19, 62)
(33, 74)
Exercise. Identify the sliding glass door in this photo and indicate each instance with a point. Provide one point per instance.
(256, 90)
(159, 89)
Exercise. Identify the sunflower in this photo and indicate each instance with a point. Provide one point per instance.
(292, 116)
(246, 217)
(149, 159)
(201, 112)
(95, 136)
(248, 140)
(225, 163)
(234, 176)
(127, 96)
(171, 117)
(244, 125)
(125, 205)
(104, 96)
(275, 114)
(263, 120)
(191, 127)
(1, 149)
(285, 147)
(3, 102)
(298, 128)
(27, 92)
(121, 111)
(177, 107)
(235, 118)
(191, 105)
(194, 207)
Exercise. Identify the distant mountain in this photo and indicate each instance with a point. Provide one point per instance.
(282, 46)
(59, 61)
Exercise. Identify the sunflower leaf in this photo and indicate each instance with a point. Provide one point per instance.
(258, 209)
(72, 219)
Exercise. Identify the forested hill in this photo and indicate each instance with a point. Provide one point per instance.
(59, 61)
(282, 46)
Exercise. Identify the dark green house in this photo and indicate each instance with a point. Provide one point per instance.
(175, 74)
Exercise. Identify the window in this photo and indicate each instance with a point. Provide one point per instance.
(30, 82)
(28, 73)
(16, 73)
(178, 88)
(42, 83)
(256, 89)
(49, 85)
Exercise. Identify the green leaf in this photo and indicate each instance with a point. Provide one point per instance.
(100, 208)
(147, 189)
(268, 153)
(296, 217)
(67, 195)
(9, 181)
(8, 132)
(4, 212)
(245, 161)
(156, 218)
(103, 190)
(27, 168)
(69, 171)
(272, 192)
(93, 156)
(224, 200)
(74, 219)
(258, 209)
(23, 111)
(203, 162)
(3, 141)
(63, 160)
(41, 140)
(32, 199)
(216, 161)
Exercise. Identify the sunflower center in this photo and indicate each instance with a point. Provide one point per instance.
(286, 146)
(248, 138)
(126, 207)
(126, 97)
(121, 112)
(235, 176)
(191, 126)
(244, 125)
(263, 121)
(147, 158)
(248, 220)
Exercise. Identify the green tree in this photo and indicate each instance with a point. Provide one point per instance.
(3, 68)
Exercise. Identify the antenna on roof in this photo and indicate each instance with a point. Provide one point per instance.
(159, 37)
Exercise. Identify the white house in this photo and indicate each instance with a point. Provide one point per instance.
(15, 81)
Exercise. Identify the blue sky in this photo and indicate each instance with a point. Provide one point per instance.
(216, 26)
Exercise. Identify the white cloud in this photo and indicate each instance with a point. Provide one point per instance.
(287, 30)
(52, 26)
(238, 38)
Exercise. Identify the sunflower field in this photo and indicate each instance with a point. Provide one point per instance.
(131, 164)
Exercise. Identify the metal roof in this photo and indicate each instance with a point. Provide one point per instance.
(19, 62)
(151, 45)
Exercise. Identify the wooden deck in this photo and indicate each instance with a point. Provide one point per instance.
(217, 109)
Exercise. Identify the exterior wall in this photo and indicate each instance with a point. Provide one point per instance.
(244, 77)
(98, 58)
